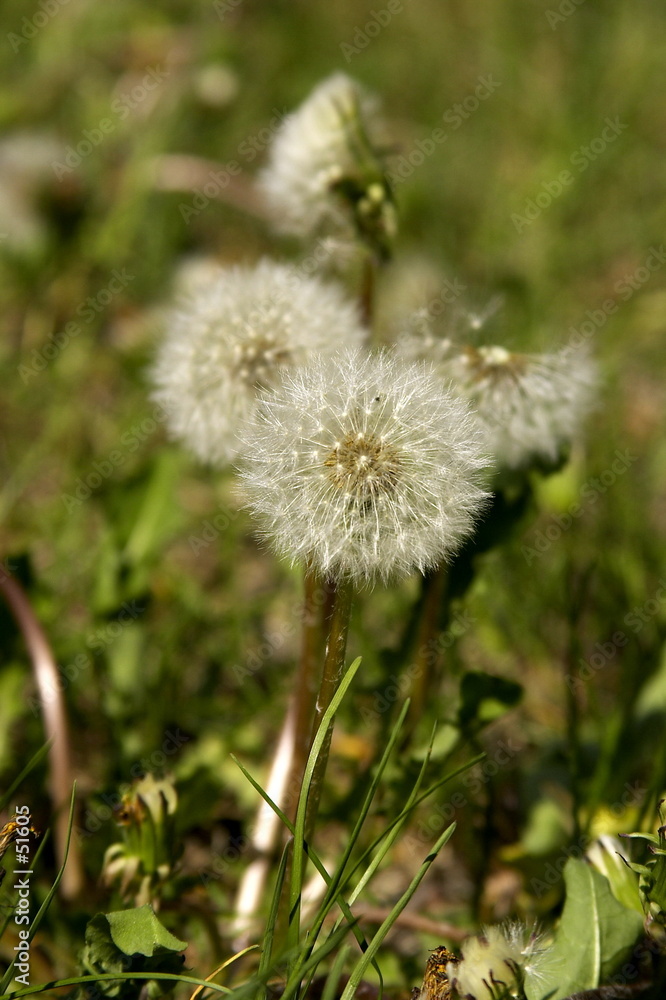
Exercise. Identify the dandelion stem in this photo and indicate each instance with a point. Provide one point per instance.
(434, 599)
(578, 590)
(367, 289)
(306, 684)
(288, 765)
(332, 672)
(49, 689)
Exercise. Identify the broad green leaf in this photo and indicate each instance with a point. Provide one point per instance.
(129, 941)
(139, 932)
(595, 935)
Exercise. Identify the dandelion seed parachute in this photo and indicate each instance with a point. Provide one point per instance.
(365, 466)
(230, 336)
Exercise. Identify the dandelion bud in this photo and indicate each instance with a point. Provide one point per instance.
(232, 335)
(364, 466)
(325, 175)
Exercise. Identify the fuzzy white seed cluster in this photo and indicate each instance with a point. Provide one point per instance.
(365, 466)
(499, 963)
(324, 173)
(532, 406)
(234, 333)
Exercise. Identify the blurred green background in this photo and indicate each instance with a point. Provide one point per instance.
(137, 558)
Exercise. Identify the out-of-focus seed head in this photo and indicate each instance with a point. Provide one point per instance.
(231, 336)
(325, 174)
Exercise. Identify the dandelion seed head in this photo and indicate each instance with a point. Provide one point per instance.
(231, 336)
(364, 466)
(531, 406)
(324, 173)
(498, 963)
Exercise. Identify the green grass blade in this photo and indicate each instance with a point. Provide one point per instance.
(365, 808)
(393, 834)
(417, 802)
(298, 861)
(329, 945)
(330, 991)
(267, 947)
(107, 977)
(32, 763)
(336, 881)
(361, 966)
(352, 923)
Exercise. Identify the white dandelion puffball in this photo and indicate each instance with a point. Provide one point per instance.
(500, 961)
(232, 335)
(324, 171)
(364, 466)
(532, 406)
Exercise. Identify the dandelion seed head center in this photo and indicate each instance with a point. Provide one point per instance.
(495, 355)
(492, 365)
(258, 357)
(364, 464)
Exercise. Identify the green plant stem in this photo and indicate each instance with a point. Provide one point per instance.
(367, 290)
(289, 760)
(306, 679)
(54, 713)
(578, 590)
(334, 661)
(316, 597)
(424, 660)
(300, 845)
